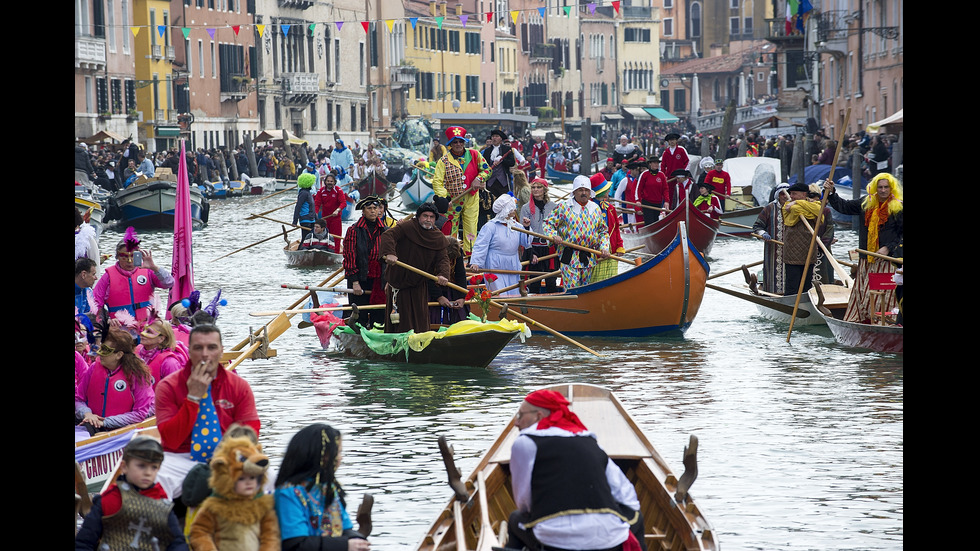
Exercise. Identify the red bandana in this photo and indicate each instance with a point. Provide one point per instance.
(560, 416)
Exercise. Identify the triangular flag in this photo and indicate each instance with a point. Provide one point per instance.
(414, 20)
(285, 29)
(439, 21)
(592, 8)
(463, 18)
(236, 28)
(568, 11)
(391, 24)
(339, 24)
(211, 33)
(366, 25)
(261, 29)
(186, 31)
(513, 15)
(161, 29)
(312, 27)
(489, 16)
(541, 12)
(136, 30)
(615, 4)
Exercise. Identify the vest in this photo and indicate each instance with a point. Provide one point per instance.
(157, 362)
(108, 393)
(130, 293)
(139, 519)
(562, 487)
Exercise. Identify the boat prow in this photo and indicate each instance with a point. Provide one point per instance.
(672, 519)
(832, 300)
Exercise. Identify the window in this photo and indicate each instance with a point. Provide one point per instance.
(98, 19)
(454, 41)
(636, 35)
(747, 25)
(668, 4)
(363, 118)
(336, 67)
(362, 67)
(111, 24)
(668, 26)
(695, 19)
(353, 117)
(733, 4)
(330, 115)
(200, 58)
(733, 26)
(472, 88)
(130, 95)
(214, 62)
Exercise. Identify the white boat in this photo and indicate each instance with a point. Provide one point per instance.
(150, 204)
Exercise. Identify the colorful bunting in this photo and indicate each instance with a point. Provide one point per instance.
(414, 20)
(592, 8)
(161, 29)
(236, 28)
(312, 27)
(463, 18)
(390, 23)
(439, 21)
(260, 28)
(366, 25)
(211, 33)
(568, 11)
(285, 30)
(136, 30)
(513, 15)
(541, 12)
(489, 16)
(187, 32)
(615, 4)
(339, 24)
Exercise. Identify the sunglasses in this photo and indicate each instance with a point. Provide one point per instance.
(124, 255)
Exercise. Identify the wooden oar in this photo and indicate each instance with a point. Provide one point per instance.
(270, 211)
(733, 270)
(254, 244)
(274, 329)
(813, 238)
(844, 276)
(749, 236)
(734, 199)
(506, 300)
(497, 304)
(733, 224)
(505, 272)
(541, 258)
(325, 289)
(759, 300)
(527, 282)
(636, 205)
(881, 256)
(634, 262)
(295, 227)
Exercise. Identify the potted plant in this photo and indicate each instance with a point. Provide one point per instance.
(133, 115)
(105, 115)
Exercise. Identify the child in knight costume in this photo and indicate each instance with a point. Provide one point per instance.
(134, 513)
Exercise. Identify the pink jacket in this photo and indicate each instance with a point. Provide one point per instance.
(110, 395)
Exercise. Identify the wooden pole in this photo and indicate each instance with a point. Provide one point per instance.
(813, 238)
(496, 304)
(634, 262)
(882, 256)
(254, 244)
(844, 276)
(733, 270)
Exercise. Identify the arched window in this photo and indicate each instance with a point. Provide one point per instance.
(695, 20)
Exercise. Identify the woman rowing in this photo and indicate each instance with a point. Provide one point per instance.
(497, 246)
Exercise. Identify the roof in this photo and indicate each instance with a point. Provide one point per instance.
(728, 63)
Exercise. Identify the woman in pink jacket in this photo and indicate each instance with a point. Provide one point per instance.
(117, 390)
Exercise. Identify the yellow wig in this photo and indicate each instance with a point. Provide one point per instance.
(871, 200)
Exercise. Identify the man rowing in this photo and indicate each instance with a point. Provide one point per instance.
(578, 221)
(362, 259)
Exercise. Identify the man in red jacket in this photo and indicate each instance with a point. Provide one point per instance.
(329, 202)
(721, 180)
(652, 190)
(182, 400)
(674, 156)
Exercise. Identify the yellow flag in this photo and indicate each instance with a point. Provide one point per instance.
(136, 30)
(390, 23)
(261, 29)
(513, 15)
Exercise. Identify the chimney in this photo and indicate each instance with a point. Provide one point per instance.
(433, 10)
(459, 8)
(442, 7)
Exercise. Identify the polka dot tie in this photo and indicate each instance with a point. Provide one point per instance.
(207, 430)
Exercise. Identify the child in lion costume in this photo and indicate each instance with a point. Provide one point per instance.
(237, 516)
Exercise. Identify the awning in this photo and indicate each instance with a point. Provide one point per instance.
(661, 114)
(167, 131)
(102, 135)
(637, 113)
(898, 119)
(612, 116)
(276, 135)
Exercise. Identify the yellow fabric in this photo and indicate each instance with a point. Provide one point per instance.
(419, 341)
(807, 209)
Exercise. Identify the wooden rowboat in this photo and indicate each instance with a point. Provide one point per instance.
(474, 349)
(660, 296)
(416, 191)
(743, 217)
(701, 229)
(309, 257)
(831, 304)
(476, 516)
(558, 176)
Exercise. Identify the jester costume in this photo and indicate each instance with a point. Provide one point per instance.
(583, 225)
(453, 176)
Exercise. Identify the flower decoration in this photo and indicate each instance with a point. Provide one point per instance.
(480, 293)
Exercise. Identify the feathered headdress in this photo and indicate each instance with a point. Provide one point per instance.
(197, 315)
(132, 242)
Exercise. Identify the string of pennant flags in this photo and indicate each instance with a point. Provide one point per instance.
(463, 18)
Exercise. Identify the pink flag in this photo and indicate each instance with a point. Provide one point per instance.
(183, 259)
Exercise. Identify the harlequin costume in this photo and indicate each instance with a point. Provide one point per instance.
(583, 225)
(454, 176)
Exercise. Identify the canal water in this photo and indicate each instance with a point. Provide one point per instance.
(801, 443)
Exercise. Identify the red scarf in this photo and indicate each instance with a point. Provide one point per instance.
(560, 416)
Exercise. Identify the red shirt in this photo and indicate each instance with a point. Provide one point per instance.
(721, 180)
(176, 414)
(112, 501)
(653, 187)
(673, 160)
(325, 202)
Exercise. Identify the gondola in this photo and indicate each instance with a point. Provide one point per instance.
(559, 177)
(149, 204)
(372, 184)
(831, 304)
(477, 514)
(467, 343)
(296, 256)
(701, 229)
(416, 191)
(660, 296)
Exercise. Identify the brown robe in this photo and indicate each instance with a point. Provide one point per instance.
(422, 249)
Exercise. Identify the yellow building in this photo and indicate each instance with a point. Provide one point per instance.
(153, 57)
(446, 58)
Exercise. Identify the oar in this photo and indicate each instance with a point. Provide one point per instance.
(496, 304)
(254, 244)
(734, 199)
(733, 270)
(784, 308)
(634, 262)
(749, 236)
(540, 258)
(527, 282)
(505, 272)
(813, 238)
(270, 211)
(881, 256)
(326, 289)
(505, 300)
(635, 205)
(844, 276)
(727, 223)
(274, 328)
(295, 227)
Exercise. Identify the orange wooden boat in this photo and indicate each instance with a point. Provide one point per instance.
(701, 228)
(476, 516)
(660, 296)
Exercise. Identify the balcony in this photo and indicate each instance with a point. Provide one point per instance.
(403, 76)
(170, 53)
(234, 86)
(777, 33)
(157, 51)
(636, 12)
(542, 53)
(90, 53)
(296, 4)
(300, 88)
(165, 117)
(746, 115)
(832, 31)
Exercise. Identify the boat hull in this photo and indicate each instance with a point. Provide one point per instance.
(790, 300)
(702, 230)
(887, 339)
(151, 205)
(559, 177)
(99, 455)
(624, 306)
(669, 524)
(470, 349)
(311, 257)
(744, 217)
(416, 192)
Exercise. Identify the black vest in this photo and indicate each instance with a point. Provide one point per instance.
(569, 478)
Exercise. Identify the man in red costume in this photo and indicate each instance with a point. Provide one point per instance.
(330, 202)
(539, 155)
(184, 398)
(652, 190)
(674, 156)
(721, 180)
